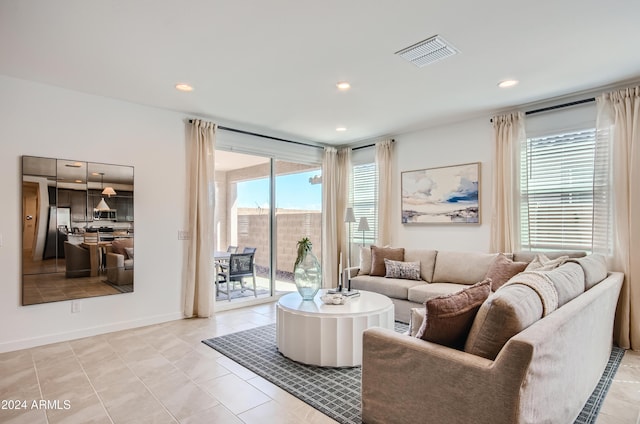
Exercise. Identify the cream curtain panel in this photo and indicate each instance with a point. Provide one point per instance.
(198, 299)
(619, 119)
(336, 176)
(509, 136)
(384, 165)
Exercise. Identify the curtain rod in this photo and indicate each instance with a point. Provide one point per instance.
(560, 106)
(369, 145)
(220, 127)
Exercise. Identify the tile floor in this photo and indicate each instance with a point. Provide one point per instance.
(164, 374)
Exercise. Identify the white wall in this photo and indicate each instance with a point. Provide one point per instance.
(463, 142)
(41, 120)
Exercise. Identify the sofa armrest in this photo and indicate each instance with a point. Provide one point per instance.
(115, 260)
(352, 272)
(407, 380)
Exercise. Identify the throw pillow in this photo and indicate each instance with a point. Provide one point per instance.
(118, 245)
(129, 251)
(449, 318)
(402, 270)
(379, 254)
(502, 269)
(365, 261)
(542, 263)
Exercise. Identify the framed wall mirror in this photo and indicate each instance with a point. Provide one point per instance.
(77, 229)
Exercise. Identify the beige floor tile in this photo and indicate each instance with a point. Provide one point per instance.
(109, 373)
(87, 410)
(234, 393)
(236, 368)
(30, 416)
(182, 397)
(19, 384)
(151, 367)
(269, 412)
(276, 393)
(129, 401)
(15, 361)
(216, 415)
(201, 368)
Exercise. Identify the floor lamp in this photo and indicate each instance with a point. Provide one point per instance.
(349, 217)
(363, 226)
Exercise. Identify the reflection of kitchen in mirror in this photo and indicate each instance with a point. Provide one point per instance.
(77, 228)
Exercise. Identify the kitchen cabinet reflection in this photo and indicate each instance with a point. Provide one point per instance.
(77, 229)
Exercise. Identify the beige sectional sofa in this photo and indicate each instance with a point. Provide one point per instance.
(524, 360)
(441, 272)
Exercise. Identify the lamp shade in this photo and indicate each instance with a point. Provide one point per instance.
(109, 191)
(363, 225)
(102, 206)
(349, 216)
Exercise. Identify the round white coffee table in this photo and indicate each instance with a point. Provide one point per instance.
(329, 335)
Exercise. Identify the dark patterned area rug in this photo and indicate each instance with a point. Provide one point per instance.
(336, 391)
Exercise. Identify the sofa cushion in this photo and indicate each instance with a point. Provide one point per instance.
(365, 260)
(594, 267)
(129, 252)
(502, 269)
(379, 254)
(390, 287)
(128, 264)
(542, 263)
(427, 259)
(423, 292)
(568, 280)
(403, 270)
(504, 314)
(449, 318)
(461, 267)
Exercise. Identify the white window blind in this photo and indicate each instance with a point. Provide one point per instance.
(364, 197)
(556, 181)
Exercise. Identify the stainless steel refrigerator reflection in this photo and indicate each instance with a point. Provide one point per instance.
(57, 228)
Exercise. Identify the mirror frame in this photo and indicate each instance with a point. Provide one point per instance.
(76, 241)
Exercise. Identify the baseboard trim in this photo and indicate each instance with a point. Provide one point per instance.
(87, 332)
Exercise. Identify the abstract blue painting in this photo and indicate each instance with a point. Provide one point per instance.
(449, 194)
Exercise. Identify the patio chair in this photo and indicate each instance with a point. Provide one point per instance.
(249, 250)
(232, 249)
(240, 265)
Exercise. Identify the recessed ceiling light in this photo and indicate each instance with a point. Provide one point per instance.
(184, 87)
(78, 181)
(507, 83)
(341, 129)
(343, 85)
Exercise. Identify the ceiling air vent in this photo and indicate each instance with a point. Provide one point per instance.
(428, 51)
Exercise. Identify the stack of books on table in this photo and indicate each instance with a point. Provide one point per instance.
(346, 293)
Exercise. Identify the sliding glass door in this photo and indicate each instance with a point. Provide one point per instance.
(246, 188)
(242, 221)
(298, 213)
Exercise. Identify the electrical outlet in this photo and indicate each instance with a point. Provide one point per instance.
(184, 235)
(76, 306)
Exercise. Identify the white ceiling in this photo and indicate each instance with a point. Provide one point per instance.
(271, 66)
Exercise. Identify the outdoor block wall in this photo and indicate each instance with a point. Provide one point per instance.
(253, 231)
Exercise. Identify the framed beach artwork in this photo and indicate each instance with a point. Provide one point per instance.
(445, 195)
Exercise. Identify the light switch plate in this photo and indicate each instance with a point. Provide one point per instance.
(76, 306)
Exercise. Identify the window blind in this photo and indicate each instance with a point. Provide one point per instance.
(557, 191)
(364, 196)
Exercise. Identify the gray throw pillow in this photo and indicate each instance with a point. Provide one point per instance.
(403, 270)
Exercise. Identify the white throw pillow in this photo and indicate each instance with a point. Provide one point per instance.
(542, 263)
(365, 260)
